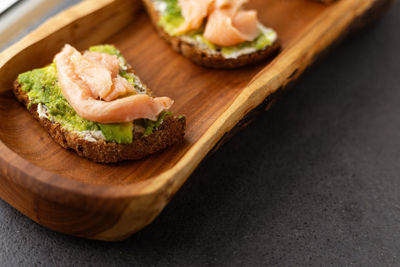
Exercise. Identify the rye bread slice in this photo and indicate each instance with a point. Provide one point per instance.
(169, 132)
(206, 57)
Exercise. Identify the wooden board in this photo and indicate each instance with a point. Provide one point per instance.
(66, 193)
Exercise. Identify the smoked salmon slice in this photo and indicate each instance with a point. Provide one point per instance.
(227, 24)
(121, 87)
(194, 13)
(111, 62)
(85, 78)
(225, 29)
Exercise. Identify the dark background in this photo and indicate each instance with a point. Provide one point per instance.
(314, 181)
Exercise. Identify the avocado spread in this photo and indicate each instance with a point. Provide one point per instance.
(171, 18)
(42, 88)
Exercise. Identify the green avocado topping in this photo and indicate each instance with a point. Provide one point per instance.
(42, 87)
(171, 18)
(120, 133)
(150, 125)
(262, 41)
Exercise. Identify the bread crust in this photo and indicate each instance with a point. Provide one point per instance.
(172, 130)
(204, 57)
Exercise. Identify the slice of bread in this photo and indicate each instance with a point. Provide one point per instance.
(208, 57)
(169, 132)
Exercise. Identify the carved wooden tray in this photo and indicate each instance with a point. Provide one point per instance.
(66, 193)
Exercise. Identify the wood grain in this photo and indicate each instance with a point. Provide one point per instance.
(64, 192)
(326, 1)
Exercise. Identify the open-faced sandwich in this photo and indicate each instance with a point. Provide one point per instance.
(213, 33)
(95, 104)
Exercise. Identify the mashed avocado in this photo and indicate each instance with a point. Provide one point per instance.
(171, 18)
(42, 88)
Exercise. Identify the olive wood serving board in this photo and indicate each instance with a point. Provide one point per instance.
(66, 193)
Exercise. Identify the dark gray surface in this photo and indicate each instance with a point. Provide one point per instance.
(315, 181)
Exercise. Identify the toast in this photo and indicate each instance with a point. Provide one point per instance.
(168, 130)
(203, 54)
